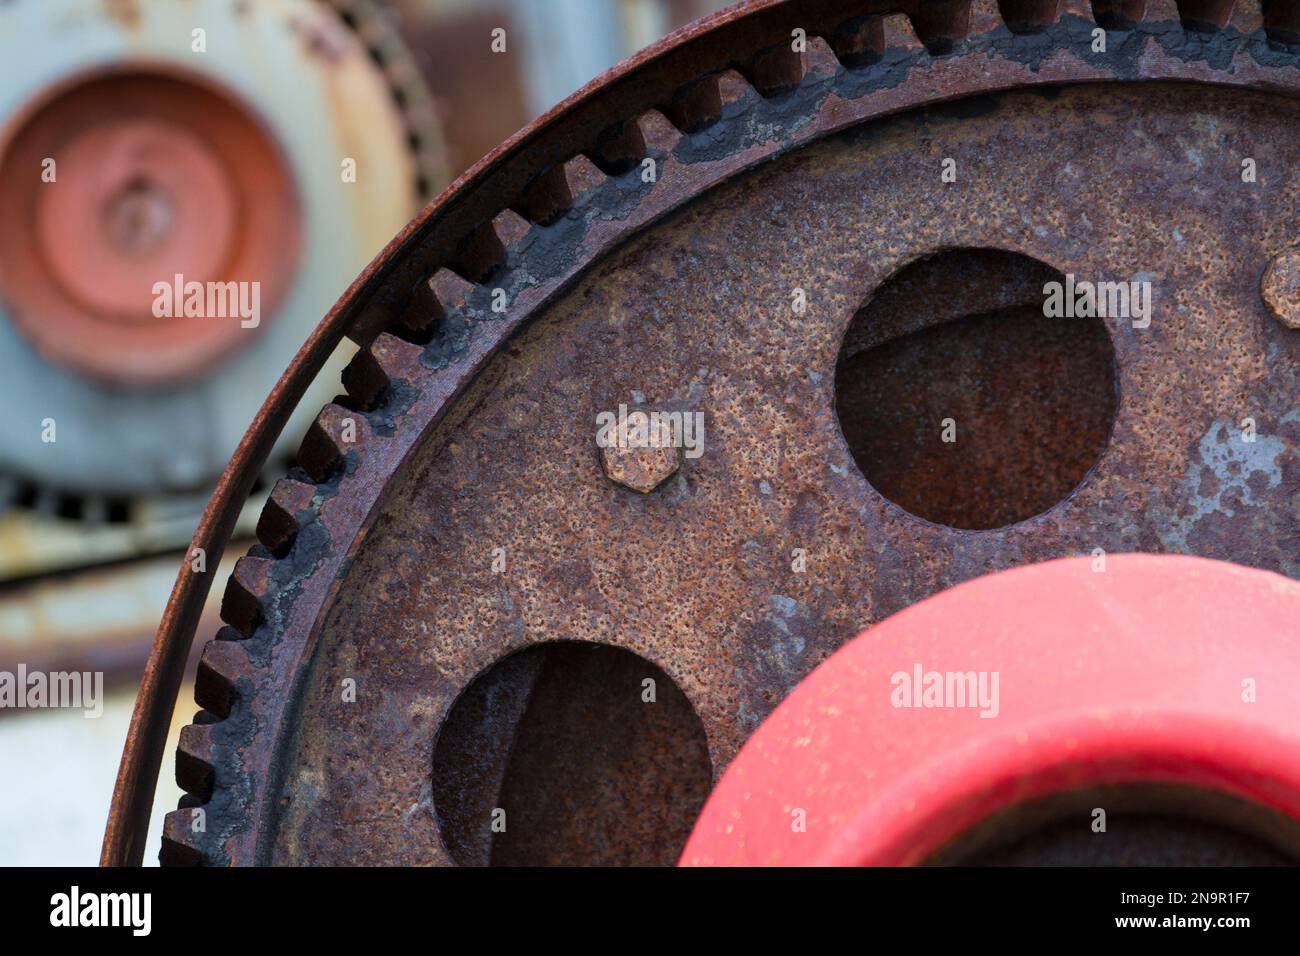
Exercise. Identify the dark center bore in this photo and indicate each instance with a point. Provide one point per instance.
(1145, 825)
(556, 756)
(962, 402)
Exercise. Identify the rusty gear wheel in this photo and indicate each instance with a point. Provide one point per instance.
(803, 220)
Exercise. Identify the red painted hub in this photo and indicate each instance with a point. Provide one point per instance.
(153, 176)
(1159, 670)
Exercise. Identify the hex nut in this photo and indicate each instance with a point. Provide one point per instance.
(642, 466)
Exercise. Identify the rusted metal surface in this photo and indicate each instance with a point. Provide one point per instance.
(1280, 288)
(384, 575)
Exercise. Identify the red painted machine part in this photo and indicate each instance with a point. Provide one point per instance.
(1140, 673)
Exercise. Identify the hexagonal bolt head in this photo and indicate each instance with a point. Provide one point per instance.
(642, 469)
(1280, 288)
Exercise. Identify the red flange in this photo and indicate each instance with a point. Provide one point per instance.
(121, 181)
(1157, 669)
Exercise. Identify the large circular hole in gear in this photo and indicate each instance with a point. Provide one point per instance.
(1130, 825)
(559, 745)
(956, 345)
(116, 182)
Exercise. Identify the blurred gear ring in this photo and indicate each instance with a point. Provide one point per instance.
(591, 261)
(203, 145)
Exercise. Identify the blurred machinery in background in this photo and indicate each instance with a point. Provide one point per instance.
(217, 155)
(141, 141)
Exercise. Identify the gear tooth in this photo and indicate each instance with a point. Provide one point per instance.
(657, 132)
(372, 371)
(417, 116)
(1075, 8)
(1157, 11)
(941, 24)
(222, 665)
(819, 58)
(1205, 16)
(241, 604)
(581, 175)
(510, 227)
(479, 254)
(546, 197)
(554, 192)
(450, 290)
(776, 70)
(733, 88)
(900, 34)
(179, 847)
(697, 105)
(1248, 16)
(430, 303)
(985, 16)
(194, 771)
(701, 103)
(619, 148)
(278, 524)
(1029, 16)
(370, 320)
(1282, 22)
(335, 432)
(859, 42)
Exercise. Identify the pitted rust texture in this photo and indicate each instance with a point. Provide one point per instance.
(696, 577)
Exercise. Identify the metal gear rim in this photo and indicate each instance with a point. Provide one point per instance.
(994, 57)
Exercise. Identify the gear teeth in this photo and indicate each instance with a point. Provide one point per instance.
(941, 24)
(223, 663)
(370, 320)
(370, 375)
(483, 252)
(776, 70)
(178, 839)
(657, 132)
(431, 301)
(1074, 8)
(1029, 16)
(1118, 14)
(1247, 16)
(554, 192)
(819, 59)
(278, 525)
(480, 254)
(619, 148)
(900, 34)
(859, 42)
(194, 770)
(1282, 22)
(700, 104)
(985, 17)
(336, 431)
(1205, 16)
(510, 227)
(241, 604)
